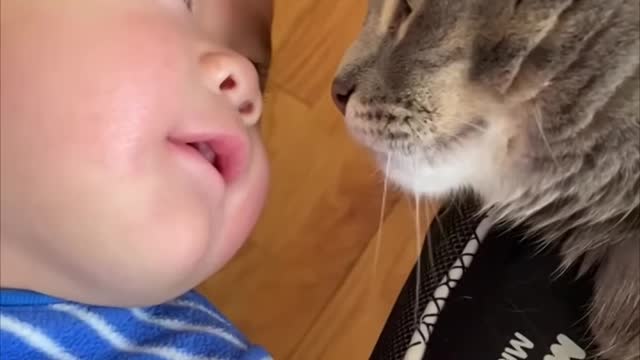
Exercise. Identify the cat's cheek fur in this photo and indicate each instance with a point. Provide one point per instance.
(456, 169)
(475, 163)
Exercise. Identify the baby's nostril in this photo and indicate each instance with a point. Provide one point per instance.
(246, 108)
(228, 84)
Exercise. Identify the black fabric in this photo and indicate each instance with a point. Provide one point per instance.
(510, 295)
(510, 303)
(446, 247)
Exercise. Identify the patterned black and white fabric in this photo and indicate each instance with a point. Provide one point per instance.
(486, 293)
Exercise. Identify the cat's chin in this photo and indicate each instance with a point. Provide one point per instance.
(422, 177)
(470, 166)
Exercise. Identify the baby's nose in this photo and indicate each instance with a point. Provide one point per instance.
(234, 77)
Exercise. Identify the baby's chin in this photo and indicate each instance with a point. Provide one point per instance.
(174, 258)
(229, 230)
(177, 272)
(168, 263)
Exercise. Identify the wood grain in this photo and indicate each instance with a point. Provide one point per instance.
(308, 284)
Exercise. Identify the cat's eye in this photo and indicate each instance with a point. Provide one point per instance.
(402, 12)
(411, 4)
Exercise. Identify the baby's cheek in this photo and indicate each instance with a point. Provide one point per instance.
(244, 203)
(159, 234)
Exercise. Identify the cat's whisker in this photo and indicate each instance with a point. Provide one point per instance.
(430, 209)
(474, 125)
(443, 234)
(418, 255)
(421, 107)
(414, 131)
(418, 248)
(624, 217)
(537, 115)
(378, 241)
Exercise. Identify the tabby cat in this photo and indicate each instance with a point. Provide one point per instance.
(532, 104)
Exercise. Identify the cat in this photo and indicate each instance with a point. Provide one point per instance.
(534, 105)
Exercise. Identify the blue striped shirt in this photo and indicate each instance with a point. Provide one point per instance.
(35, 326)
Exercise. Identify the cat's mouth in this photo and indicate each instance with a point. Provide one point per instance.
(425, 155)
(426, 149)
(402, 133)
(386, 143)
(379, 129)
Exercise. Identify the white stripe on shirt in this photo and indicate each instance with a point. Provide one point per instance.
(34, 337)
(179, 325)
(109, 334)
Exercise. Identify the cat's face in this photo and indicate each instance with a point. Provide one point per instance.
(411, 88)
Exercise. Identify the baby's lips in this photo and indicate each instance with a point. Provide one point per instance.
(230, 151)
(231, 156)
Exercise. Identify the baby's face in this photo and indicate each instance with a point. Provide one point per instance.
(105, 198)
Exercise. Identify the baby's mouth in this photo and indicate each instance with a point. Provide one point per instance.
(227, 154)
(206, 152)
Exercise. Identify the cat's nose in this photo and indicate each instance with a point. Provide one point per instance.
(341, 91)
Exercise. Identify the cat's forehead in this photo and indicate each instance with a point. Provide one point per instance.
(438, 32)
(413, 27)
(385, 15)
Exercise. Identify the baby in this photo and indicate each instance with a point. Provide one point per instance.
(131, 170)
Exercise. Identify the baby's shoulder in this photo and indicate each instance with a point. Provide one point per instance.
(35, 326)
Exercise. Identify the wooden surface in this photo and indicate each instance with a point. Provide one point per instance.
(306, 285)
